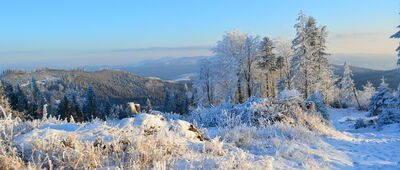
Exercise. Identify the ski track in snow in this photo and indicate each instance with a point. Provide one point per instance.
(371, 148)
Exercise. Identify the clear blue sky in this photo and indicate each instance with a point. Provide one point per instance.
(92, 32)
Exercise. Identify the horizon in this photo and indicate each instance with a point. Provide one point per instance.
(91, 33)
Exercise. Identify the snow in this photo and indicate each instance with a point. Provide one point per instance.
(278, 146)
(372, 147)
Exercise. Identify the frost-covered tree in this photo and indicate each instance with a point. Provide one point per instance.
(391, 113)
(325, 79)
(268, 65)
(300, 72)
(204, 83)
(380, 100)
(229, 52)
(4, 101)
(283, 52)
(310, 68)
(149, 106)
(397, 35)
(366, 94)
(251, 50)
(346, 87)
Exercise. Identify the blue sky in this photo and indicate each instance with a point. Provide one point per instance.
(120, 32)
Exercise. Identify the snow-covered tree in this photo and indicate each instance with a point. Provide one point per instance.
(346, 87)
(397, 35)
(149, 106)
(310, 68)
(380, 100)
(204, 84)
(230, 52)
(391, 113)
(300, 62)
(251, 50)
(325, 79)
(268, 65)
(283, 52)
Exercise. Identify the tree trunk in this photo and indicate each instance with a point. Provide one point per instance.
(355, 95)
(239, 89)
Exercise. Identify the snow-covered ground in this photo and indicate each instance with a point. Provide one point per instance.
(371, 147)
(166, 142)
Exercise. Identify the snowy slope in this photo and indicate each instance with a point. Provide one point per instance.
(167, 142)
(371, 148)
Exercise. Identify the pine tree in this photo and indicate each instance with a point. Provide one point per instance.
(310, 68)
(300, 74)
(268, 64)
(38, 100)
(325, 79)
(380, 100)
(22, 99)
(391, 113)
(346, 87)
(64, 108)
(170, 103)
(91, 108)
(284, 52)
(77, 111)
(149, 107)
(397, 35)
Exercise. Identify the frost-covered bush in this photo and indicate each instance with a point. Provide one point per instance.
(365, 95)
(318, 100)
(289, 108)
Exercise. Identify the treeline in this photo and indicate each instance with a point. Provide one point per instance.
(247, 66)
(34, 103)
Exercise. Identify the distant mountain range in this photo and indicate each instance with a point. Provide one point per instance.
(178, 70)
(183, 68)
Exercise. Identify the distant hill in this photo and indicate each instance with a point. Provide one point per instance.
(165, 68)
(183, 68)
(119, 86)
(362, 75)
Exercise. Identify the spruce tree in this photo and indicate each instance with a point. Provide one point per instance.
(91, 108)
(300, 74)
(397, 35)
(149, 107)
(310, 68)
(346, 87)
(268, 64)
(380, 100)
(22, 99)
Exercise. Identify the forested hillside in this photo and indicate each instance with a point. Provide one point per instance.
(110, 86)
